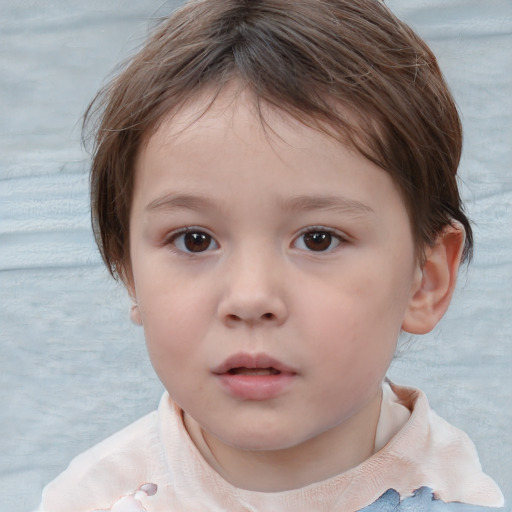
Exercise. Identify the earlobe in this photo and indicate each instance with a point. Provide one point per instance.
(135, 315)
(436, 281)
(128, 280)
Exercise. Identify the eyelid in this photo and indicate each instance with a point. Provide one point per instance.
(333, 231)
(340, 235)
(170, 239)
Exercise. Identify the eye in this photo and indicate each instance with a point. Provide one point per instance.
(193, 241)
(317, 240)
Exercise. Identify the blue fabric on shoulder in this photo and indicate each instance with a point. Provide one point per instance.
(422, 500)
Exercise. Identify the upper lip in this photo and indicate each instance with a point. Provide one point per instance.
(246, 360)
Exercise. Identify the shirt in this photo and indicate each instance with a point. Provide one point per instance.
(420, 460)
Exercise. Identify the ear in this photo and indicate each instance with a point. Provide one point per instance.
(135, 315)
(433, 289)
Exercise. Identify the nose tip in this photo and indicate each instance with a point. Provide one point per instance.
(253, 290)
(252, 306)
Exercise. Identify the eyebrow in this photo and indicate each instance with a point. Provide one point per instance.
(175, 201)
(297, 204)
(335, 204)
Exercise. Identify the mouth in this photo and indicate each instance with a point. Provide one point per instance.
(253, 371)
(254, 377)
(252, 364)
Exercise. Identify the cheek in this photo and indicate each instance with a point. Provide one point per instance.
(175, 317)
(354, 323)
(358, 302)
(175, 338)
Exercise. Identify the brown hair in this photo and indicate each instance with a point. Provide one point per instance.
(347, 67)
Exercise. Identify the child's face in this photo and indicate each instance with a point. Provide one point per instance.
(255, 250)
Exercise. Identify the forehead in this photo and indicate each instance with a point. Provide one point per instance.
(236, 116)
(214, 145)
(225, 106)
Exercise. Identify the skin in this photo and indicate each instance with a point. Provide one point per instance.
(332, 314)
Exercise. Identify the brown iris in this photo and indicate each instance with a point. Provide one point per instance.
(197, 241)
(318, 240)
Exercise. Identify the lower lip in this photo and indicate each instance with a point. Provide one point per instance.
(256, 387)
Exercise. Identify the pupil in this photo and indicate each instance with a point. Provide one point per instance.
(197, 242)
(318, 241)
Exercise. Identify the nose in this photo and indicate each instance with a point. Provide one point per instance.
(253, 292)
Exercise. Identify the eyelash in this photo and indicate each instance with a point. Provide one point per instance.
(172, 239)
(333, 236)
(212, 244)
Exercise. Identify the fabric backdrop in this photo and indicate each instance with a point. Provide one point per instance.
(74, 370)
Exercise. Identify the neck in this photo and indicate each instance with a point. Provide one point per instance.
(334, 451)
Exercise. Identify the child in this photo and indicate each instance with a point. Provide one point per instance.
(275, 183)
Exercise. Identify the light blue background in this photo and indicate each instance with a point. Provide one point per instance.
(72, 367)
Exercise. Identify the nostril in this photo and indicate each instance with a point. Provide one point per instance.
(234, 319)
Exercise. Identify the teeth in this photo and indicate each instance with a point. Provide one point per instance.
(254, 371)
